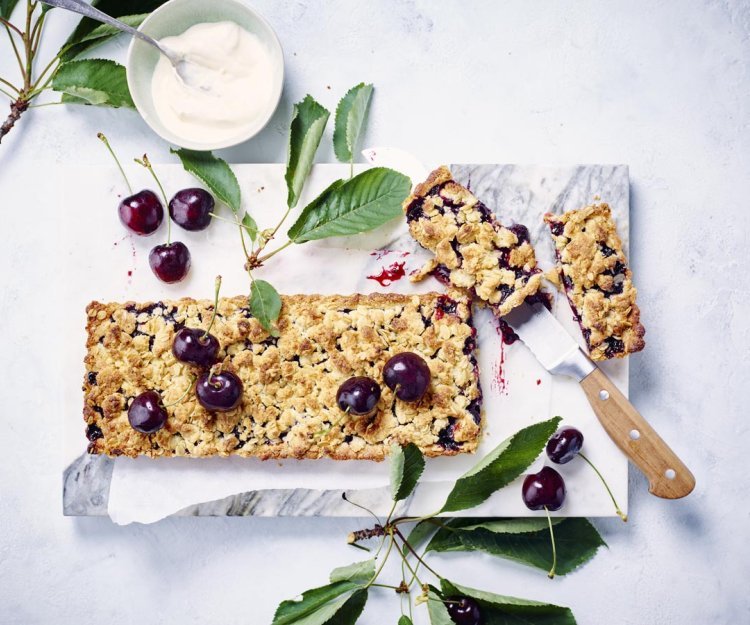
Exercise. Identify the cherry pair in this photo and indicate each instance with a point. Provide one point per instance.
(406, 374)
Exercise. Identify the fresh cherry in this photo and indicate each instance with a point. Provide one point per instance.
(195, 346)
(141, 212)
(564, 445)
(359, 396)
(146, 413)
(545, 489)
(219, 392)
(170, 262)
(464, 611)
(191, 208)
(407, 375)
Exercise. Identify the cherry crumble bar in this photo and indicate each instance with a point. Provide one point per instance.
(597, 280)
(473, 251)
(288, 408)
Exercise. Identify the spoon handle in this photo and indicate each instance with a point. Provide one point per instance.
(78, 6)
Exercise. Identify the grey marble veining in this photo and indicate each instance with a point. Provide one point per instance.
(517, 194)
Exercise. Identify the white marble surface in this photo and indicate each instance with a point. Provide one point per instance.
(661, 86)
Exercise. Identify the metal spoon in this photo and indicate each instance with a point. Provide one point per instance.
(78, 6)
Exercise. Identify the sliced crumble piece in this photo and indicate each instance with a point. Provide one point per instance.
(597, 280)
(473, 251)
(288, 407)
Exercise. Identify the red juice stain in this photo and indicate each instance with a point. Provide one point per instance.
(130, 273)
(538, 382)
(389, 275)
(499, 382)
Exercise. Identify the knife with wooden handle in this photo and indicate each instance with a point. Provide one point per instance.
(558, 352)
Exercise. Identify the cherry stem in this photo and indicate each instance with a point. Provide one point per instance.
(147, 164)
(276, 251)
(620, 513)
(187, 390)
(414, 553)
(551, 573)
(217, 286)
(105, 141)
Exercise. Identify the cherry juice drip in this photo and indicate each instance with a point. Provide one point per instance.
(390, 274)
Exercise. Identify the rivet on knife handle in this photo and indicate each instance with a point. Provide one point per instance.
(667, 475)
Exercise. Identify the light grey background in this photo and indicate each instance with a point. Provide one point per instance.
(663, 86)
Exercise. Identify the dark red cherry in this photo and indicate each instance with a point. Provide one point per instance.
(142, 212)
(545, 489)
(170, 262)
(146, 413)
(219, 392)
(464, 611)
(359, 396)
(408, 375)
(194, 346)
(191, 208)
(564, 445)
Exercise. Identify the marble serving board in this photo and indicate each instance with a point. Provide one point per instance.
(101, 261)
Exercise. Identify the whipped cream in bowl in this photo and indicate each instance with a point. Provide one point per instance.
(230, 82)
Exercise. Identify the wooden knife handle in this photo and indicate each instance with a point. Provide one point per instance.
(668, 477)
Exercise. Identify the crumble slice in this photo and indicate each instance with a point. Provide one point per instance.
(597, 280)
(288, 408)
(473, 251)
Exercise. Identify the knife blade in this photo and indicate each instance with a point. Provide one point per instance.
(559, 353)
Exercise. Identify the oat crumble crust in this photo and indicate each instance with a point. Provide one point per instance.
(597, 280)
(473, 251)
(288, 408)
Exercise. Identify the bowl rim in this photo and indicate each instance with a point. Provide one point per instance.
(227, 143)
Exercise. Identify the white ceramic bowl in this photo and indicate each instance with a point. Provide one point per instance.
(174, 18)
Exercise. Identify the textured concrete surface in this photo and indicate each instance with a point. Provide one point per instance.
(663, 86)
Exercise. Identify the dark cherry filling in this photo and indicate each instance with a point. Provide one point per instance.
(414, 210)
(475, 409)
(442, 274)
(617, 270)
(617, 288)
(557, 228)
(445, 436)
(505, 292)
(470, 344)
(606, 250)
(567, 281)
(348, 438)
(614, 346)
(93, 432)
(586, 334)
(521, 232)
(91, 377)
(485, 212)
(509, 336)
(445, 306)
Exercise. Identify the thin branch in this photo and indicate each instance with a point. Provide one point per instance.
(27, 47)
(15, 48)
(415, 554)
(8, 24)
(276, 251)
(7, 84)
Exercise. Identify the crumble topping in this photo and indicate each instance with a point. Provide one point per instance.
(288, 408)
(597, 280)
(473, 251)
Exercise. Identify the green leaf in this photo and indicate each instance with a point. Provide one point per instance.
(265, 305)
(404, 620)
(215, 173)
(351, 114)
(99, 35)
(315, 607)
(6, 8)
(248, 223)
(576, 539)
(309, 119)
(503, 610)
(407, 465)
(75, 44)
(358, 572)
(436, 609)
(350, 611)
(419, 534)
(367, 201)
(96, 81)
(500, 467)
